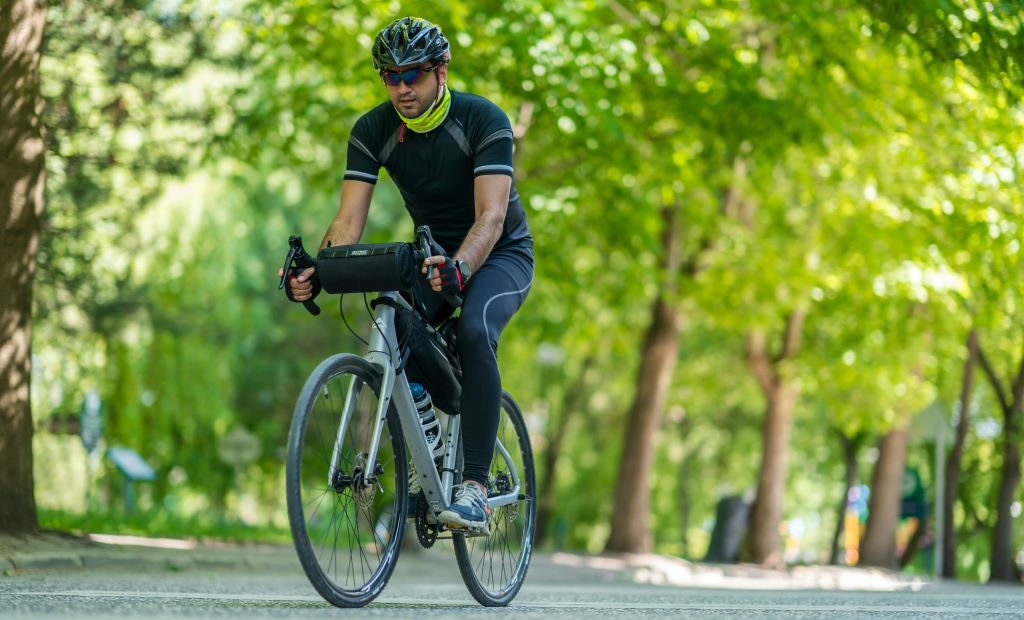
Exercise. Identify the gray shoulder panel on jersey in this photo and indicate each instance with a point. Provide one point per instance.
(390, 145)
(453, 128)
(497, 135)
(362, 147)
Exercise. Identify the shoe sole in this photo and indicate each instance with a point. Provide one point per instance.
(455, 522)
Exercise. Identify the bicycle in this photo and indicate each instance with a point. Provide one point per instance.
(354, 426)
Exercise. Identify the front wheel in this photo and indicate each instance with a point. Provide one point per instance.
(347, 515)
(495, 566)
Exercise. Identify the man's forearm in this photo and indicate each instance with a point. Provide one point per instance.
(350, 220)
(480, 239)
(341, 233)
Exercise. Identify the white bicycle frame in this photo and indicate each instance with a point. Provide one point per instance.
(383, 352)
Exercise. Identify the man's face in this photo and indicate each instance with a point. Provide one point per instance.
(415, 98)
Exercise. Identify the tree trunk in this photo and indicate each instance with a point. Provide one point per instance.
(766, 513)
(850, 446)
(1001, 560)
(1002, 540)
(22, 173)
(1009, 482)
(953, 462)
(570, 403)
(878, 548)
(658, 362)
(632, 494)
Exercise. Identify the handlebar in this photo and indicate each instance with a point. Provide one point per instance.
(299, 260)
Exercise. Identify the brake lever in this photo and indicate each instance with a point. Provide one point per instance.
(297, 255)
(427, 244)
(286, 270)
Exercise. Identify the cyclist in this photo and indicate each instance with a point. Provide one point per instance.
(450, 154)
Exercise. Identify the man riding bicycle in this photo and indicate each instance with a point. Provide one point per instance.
(450, 154)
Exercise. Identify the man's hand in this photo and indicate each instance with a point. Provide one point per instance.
(446, 276)
(302, 287)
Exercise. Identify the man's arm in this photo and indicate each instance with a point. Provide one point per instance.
(490, 203)
(350, 221)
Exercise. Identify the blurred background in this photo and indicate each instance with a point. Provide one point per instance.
(778, 308)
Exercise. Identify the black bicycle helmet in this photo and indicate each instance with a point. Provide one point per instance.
(409, 41)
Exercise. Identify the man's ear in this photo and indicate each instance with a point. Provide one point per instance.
(442, 72)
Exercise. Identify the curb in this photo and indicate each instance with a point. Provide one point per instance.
(148, 560)
(32, 562)
(113, 562)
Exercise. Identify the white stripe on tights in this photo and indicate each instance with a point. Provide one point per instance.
(487, 331)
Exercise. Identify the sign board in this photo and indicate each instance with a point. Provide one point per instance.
(239, 447)
(129, 463)
(90, 423)
(930, 424)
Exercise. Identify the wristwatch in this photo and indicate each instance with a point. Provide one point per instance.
(464, 270)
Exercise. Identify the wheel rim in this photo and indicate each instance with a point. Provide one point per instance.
(349, 519)
(499, 561)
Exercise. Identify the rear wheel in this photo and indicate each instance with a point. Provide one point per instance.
(495, 566)
(347, 515)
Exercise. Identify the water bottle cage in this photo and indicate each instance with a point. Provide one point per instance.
(432, 429)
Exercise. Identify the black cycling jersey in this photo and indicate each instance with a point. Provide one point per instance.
(434, 171)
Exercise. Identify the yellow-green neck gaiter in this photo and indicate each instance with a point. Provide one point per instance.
(432, 118)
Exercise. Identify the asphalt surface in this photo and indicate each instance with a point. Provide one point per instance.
(269, 584)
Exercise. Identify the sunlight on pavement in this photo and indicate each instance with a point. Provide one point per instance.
(661, 570)
(139, 541)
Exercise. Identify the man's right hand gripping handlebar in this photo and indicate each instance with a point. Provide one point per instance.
(298, 276)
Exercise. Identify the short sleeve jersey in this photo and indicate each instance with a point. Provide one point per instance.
(434, 171)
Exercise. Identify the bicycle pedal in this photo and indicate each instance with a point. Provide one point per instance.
(465, 530)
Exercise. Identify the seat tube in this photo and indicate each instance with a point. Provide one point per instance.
(451, 454)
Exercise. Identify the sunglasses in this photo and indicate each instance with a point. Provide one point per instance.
(410, 77)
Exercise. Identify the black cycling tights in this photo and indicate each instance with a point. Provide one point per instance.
(494, 293)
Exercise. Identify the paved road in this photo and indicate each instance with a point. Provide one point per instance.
(428, 585)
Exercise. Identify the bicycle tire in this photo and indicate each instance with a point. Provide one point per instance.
(381, 507)
(512, 527)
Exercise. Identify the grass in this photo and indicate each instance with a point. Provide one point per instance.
(158, 523)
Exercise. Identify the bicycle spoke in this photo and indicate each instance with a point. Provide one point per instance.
(353, 534)
(494, 566)
(319, 502)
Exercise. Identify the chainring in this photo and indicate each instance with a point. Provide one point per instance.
(425, 532)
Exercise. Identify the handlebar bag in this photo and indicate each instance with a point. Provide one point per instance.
(366, 267)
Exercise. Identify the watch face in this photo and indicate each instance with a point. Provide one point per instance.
(464, 270)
